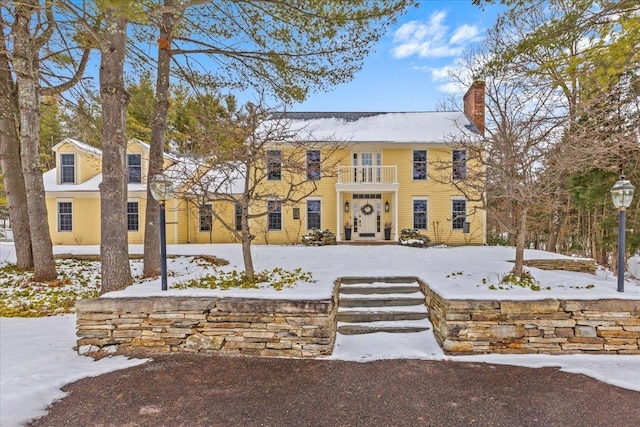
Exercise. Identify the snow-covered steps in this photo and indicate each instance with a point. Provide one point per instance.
(394, 305)
(403, 326)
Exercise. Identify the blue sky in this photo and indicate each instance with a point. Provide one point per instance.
(407, 70)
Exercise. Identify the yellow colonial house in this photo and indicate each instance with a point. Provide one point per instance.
(383, 178)
(73, 192)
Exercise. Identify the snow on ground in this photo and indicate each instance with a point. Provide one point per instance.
(37, 359)
(454, 272)
(37, 356)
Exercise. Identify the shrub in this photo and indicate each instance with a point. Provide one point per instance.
(277, 278)
(412, 237)
(496, 240)
(319, 238)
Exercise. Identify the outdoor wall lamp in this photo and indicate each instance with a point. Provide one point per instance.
(622, 195)
(346, 206)
(386, 206)
(161, 189)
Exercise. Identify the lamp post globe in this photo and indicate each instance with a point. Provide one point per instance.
(622, 195)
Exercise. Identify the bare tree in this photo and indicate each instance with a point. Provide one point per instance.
(11, 164)
(38, 63)
(286, 48)
(114, 253)
(504, 168)
(264, 165)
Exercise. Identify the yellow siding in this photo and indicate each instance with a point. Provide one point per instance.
(87, 164)
(86, 221)
(183, 216)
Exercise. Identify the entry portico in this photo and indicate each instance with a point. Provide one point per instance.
(364, 193)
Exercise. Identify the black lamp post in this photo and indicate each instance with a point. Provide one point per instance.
(161, 189)
(622, 195)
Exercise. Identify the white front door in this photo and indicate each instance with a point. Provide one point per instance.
(367, 214)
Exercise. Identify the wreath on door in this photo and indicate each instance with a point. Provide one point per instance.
(367, 209)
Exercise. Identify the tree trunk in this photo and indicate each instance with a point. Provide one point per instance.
(554, 229)
(11, 164)
(26, 67)
(158, 134)
(116, 272)
(518, 269)
(245, 234)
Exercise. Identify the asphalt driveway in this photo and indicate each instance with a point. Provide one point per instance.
(205, 390)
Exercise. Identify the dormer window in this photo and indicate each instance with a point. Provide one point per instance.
(134, 168)
(67, 168)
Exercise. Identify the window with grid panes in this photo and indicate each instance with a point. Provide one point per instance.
(419, 164)
(67, 168)
(133, 218)
(274, 220)
(313, 215)
(458, 214)
(65, 216)
(420, 214)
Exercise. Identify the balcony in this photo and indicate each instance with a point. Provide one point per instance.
(368, 175)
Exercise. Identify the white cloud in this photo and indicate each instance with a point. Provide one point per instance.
(452, 88)
(466, 34)
(430, 39)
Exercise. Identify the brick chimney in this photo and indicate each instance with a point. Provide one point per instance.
(474, 104)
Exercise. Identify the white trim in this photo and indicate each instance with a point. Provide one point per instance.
(133, 200)
(306, 167)
(58, 201)
(313, 199)
(140, 166)
(281, 215)
(466, 210)
(200, 230)
(426, 164)
(465, 164)
(420, 198)
(76, 168)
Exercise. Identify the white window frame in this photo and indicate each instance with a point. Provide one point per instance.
(313, 199)
(426, 164)
(128, 166)
(269, 213)
(75, 168)
(271, 156)
(137, 201)
(58, 201)
(466, 212)
(200, 229)
(319, 166)
(453, 165)
(413, 222)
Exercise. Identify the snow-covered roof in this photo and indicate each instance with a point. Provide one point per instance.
(201, 179)
(400, 127)
(147, 147)
(91, 185)
(80, 145)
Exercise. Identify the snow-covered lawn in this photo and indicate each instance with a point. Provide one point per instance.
(37, 356)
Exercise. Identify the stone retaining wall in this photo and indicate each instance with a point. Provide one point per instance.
(579, 265)
(185, 324)
(548, 326)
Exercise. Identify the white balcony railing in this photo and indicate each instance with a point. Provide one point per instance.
(367, 174)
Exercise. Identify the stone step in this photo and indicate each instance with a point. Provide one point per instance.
(350, 281)
(358, 329)
(379, 302)
(376, 316)
(367, 290)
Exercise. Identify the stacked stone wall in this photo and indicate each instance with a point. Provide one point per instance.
(549, 326)
(578, 265)
(185, 324)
